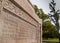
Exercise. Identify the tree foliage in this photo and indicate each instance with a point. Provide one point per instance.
(48, 29)
(40, 13)
(54, 14)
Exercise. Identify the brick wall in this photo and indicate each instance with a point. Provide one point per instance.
(18, 22)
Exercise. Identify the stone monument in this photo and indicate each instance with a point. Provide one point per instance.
(19, 23)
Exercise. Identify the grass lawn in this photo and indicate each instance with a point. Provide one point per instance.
(50, 40)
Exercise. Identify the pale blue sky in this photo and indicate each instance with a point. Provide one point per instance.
(44, 4)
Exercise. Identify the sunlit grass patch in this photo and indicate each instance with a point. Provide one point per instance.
(51, 40)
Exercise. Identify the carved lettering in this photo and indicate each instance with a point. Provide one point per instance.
(16, 10)
(10, 6)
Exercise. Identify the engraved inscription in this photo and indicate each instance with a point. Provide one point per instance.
(12, 8)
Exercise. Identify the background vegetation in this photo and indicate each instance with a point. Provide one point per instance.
(49, 31)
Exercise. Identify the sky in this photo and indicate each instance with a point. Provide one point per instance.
(44, 4)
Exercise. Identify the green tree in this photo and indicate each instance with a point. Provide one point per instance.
(49, 30)
(47, 26)
(54, 14)
(40, 13)
(36, 9)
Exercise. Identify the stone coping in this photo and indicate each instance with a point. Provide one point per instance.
(26, 6)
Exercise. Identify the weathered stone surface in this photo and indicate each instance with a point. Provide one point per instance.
(16, 25)
(26, 6)
(11, 7)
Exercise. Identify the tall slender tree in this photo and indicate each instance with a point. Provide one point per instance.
(54, 15)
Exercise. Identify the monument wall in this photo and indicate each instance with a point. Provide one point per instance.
(19, 23)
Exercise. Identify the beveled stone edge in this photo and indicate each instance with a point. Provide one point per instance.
(37, 19)
(17, 16)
